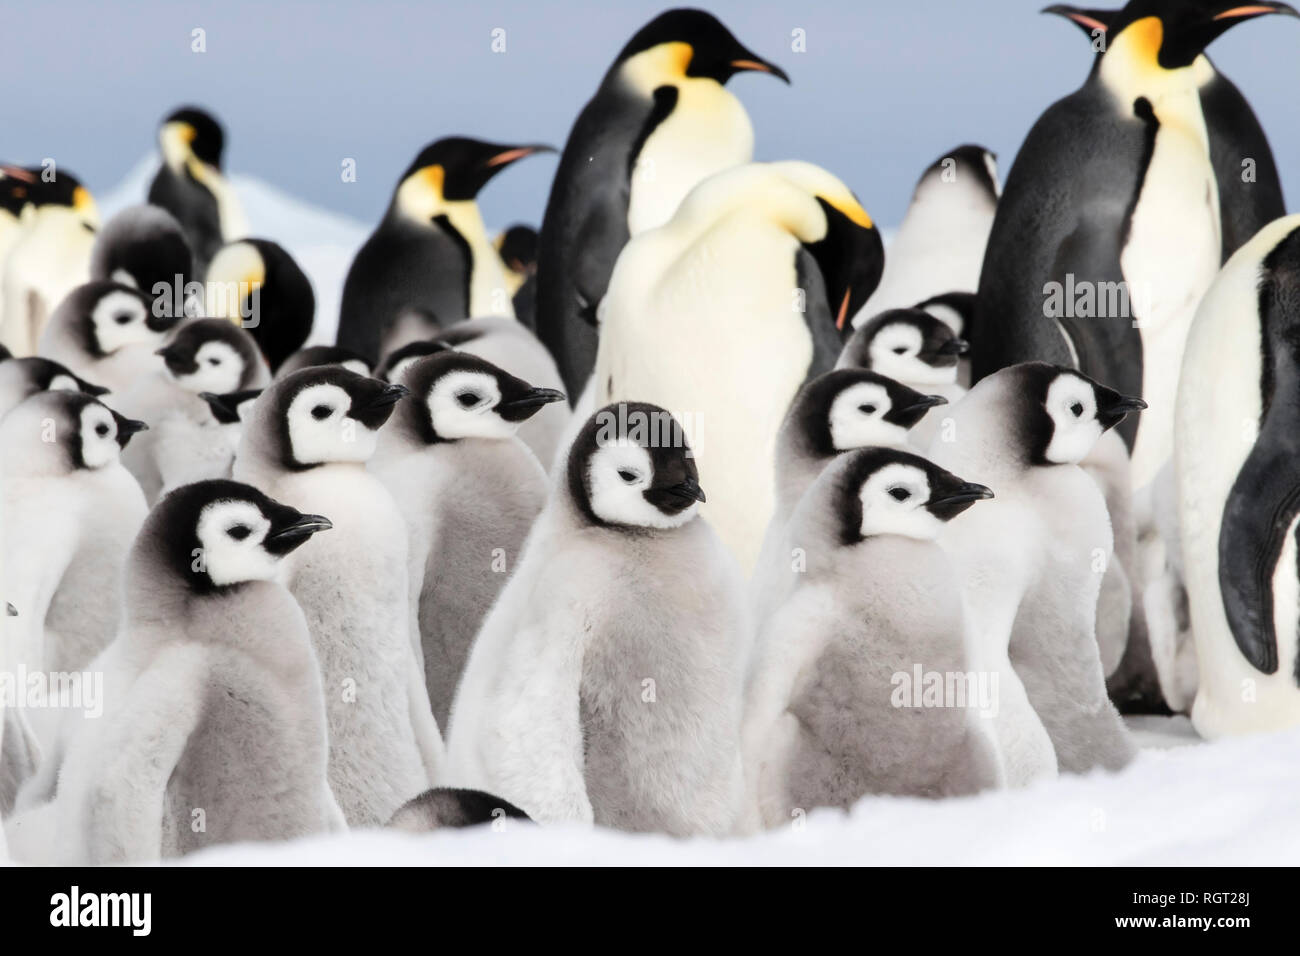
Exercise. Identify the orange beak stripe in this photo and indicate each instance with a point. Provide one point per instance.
(751, 65)
(509, 156)
(844, 311)
(1246, 11)
(1092, 23)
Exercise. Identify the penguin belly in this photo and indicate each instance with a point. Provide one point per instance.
(719, 345)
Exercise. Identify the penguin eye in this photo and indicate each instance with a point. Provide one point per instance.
(628, 476)
(899, 493)
(321, 412)
(239, 532)
(214, 361)
(467, 399)
(867, 409)
(1077, 409)
(101, 429)
(122, 318)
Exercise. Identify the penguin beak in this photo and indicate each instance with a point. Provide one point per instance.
(1090, 21)
(90, 389)
(288, 536)
(1112, 410)
(954, 347)
(1185, 41)
(10, 610)
(689, 489)
(524, 406)
(921, 405)
(514, 153)
(225, 408)
(1247, 11)
(389, 395)
(126, 427)
(751, 63)
(948, 504)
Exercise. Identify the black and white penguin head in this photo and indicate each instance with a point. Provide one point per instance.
(843, 241)
(1166, 35)
(1056, 414)
(879, 491)
(57, 189)
(855, 408)
(190, 131)
(394, 366)
(686, 43)
(58, 432)
(211, 355)
(321, 415)
(103, 317)
(453, 170)
(143, 247)
(909, 345)
(630, 467)
(455, 395)
(314, 355)
(213, 535)
(22, 377)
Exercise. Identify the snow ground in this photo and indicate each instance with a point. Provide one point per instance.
(1181, 802)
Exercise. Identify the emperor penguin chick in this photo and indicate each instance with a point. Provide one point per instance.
(606, 682)
(1032, 561)
(70, 512)
(323, 355)
(836, 412)
(306, 440)
(213, 689)
(469, 490)
(203, 355)
(825, 723)
(21, 377)
(913, 347)
(108, 333)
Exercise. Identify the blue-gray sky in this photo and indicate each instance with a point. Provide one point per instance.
(882, 89)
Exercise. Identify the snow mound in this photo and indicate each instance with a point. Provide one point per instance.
(1230, 802)
(322, 242)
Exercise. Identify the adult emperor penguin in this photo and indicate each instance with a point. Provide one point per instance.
(323, 355)
(215, 710)
(661, 121)
(913, 347)
(306, 440)
(764, 264)
(431, 249)
(191, 186)
(1238, 488)
(1108, 232)
(1250, 192)
(825, 723)
(145, 248)
(19, 190)
(518, 249)
(258, 285)
(70, 512)
(939, 248)
(1031, 562)
(22, 377)
(202, 355)
(108, 333)
(606, 682)
(50, 258)
(470, 491)
(836, 412)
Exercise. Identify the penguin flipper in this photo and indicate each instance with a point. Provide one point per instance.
(127, 791)
(827, 340)
(1261, 508)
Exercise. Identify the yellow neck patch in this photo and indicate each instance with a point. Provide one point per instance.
(665, 63)
(851, 208)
